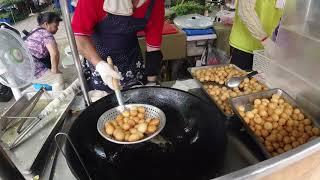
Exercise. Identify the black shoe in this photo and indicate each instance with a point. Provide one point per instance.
(5, 93)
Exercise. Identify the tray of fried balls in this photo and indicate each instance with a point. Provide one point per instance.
(133, 124)
(213, 78)
(275, 121)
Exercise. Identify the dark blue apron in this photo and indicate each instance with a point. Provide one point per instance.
(116, 36)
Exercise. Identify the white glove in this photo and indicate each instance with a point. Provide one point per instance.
(270, 47)
(107, 73)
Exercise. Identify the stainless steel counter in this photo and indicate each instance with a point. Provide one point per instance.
(242, 159)
(32, 150)
(7, 168)
(272, 165)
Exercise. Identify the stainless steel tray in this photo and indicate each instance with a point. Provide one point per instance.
(206, 92)
(247, 102)
(25, 155)
(193, 69)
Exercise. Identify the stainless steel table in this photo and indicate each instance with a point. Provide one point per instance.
(242, 159)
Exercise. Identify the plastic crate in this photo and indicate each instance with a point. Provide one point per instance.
(261, 62)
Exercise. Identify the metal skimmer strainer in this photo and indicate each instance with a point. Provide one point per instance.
(150, 112)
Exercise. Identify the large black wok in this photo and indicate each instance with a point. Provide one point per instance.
(192, 145)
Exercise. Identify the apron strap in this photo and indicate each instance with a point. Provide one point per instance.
(32, 32)
(149, 10)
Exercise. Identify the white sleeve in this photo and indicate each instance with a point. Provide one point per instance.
(247, 13)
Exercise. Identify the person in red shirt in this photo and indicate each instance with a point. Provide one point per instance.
(105, 28)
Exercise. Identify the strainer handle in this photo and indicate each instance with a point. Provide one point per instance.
(115, 82)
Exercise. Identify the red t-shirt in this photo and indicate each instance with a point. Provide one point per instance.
(90, 12)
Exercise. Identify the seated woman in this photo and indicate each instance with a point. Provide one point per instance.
(44, 49)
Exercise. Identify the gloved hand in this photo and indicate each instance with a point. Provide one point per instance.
(107, 73)
(270, 47)
(153, 63)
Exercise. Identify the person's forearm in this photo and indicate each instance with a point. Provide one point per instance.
(54, 58)
(247, 13)
(150, 49)
(87, 49)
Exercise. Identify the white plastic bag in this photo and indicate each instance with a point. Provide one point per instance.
(226, 17)
(213, 56)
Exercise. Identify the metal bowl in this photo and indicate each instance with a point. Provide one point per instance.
(151, 112)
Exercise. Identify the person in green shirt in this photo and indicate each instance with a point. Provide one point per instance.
(254, 24)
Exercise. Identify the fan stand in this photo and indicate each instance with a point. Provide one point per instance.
(16, 93)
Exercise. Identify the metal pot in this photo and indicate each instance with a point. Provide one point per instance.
(191, 146)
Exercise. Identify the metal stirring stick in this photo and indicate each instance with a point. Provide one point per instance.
(116, 86)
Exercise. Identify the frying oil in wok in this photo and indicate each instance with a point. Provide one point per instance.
(184, 154)
(190, 147)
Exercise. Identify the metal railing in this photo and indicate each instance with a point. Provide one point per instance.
(74, 50)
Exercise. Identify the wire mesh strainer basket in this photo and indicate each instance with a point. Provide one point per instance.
(151, 112)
